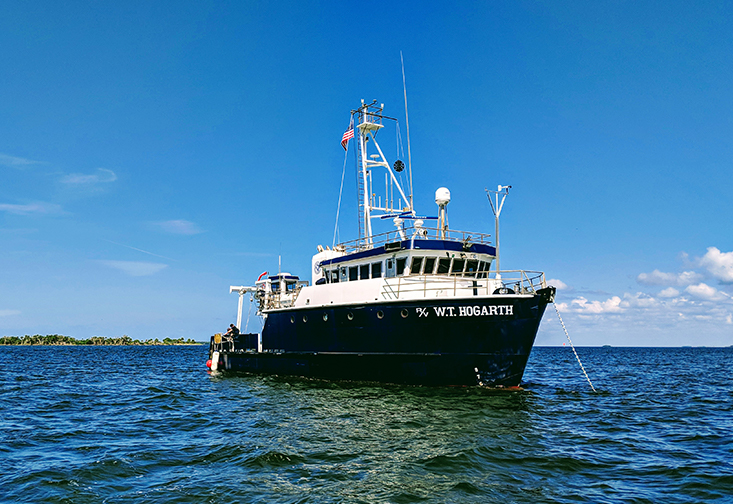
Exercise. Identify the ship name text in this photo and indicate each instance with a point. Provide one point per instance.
(466, 311)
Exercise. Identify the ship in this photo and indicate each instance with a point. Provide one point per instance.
(417, 304)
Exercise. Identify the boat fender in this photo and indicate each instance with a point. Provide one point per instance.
(215, 361)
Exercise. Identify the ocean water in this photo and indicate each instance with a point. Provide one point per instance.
(150, 424)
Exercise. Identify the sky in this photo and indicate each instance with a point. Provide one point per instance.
(154, 153)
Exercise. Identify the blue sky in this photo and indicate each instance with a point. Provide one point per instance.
(153, 154)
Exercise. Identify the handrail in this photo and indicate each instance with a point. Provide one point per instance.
(413, 286)
(422, 233)
(271, 300)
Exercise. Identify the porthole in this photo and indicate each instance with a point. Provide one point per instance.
(325, 317)
(350, 316)
(305, 318)
(292, 319)
(404, 313)
(380, 314)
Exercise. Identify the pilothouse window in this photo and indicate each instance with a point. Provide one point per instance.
(401, 262)
(353, 273)
(364, 271)
(377, 270)
(443, 265)
(471, 267)
(458, 266)
(416, 265)
(429, 265)
(483, 269)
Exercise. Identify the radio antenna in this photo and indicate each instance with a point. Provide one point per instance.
(407, 122)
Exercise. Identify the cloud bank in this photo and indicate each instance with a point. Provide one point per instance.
(685, 299)
(719, 264)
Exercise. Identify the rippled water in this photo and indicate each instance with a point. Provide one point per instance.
(149, 424)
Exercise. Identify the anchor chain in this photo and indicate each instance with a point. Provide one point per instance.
(573, 347)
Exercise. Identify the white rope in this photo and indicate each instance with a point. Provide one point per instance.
(338, 209)
(573, 347)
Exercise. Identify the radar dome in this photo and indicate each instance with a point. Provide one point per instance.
(442, 196)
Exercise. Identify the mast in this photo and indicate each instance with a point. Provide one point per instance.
(369, 120)
(496, 208)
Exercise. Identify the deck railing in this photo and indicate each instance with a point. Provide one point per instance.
(272, 300)
(408, 233)
(436, 286)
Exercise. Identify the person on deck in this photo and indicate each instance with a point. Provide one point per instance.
(233, 331)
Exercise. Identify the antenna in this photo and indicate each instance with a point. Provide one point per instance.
(496, 208)
(442, 198)
(407, 123)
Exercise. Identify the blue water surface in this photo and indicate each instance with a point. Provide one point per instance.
(150, 424)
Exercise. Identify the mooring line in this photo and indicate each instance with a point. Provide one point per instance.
(573, 347)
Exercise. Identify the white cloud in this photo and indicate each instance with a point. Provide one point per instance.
(179, 226)
(669, 292)
(719, 264)
(8, 313)
(135, 268)
(31, 208)
(638, 300)
(704, 291)
(16, 162)
(729, 319)
(102, 176)
(582, 305)
(657, 277)
(559, 284)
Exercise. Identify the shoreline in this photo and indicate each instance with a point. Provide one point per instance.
(60, 340)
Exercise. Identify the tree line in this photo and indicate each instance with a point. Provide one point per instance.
(58, 339)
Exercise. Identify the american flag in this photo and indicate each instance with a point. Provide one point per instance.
(348, 134)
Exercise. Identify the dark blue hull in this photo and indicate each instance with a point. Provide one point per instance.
(437, 342)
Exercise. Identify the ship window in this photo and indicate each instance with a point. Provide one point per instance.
(353, 273)
(401, 262)
(471, 267)
(458, 266)
(416, 265)
(443, 265)
(334, 276)
(343, 273)
(275, 286)
(429, 265)
(483, 268)
(364, 271)
(376, 270)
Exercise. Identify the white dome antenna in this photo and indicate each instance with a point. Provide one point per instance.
(442, 198)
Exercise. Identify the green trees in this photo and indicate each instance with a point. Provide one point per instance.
(58, 339)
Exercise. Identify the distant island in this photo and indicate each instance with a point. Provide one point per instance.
(57, 339)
